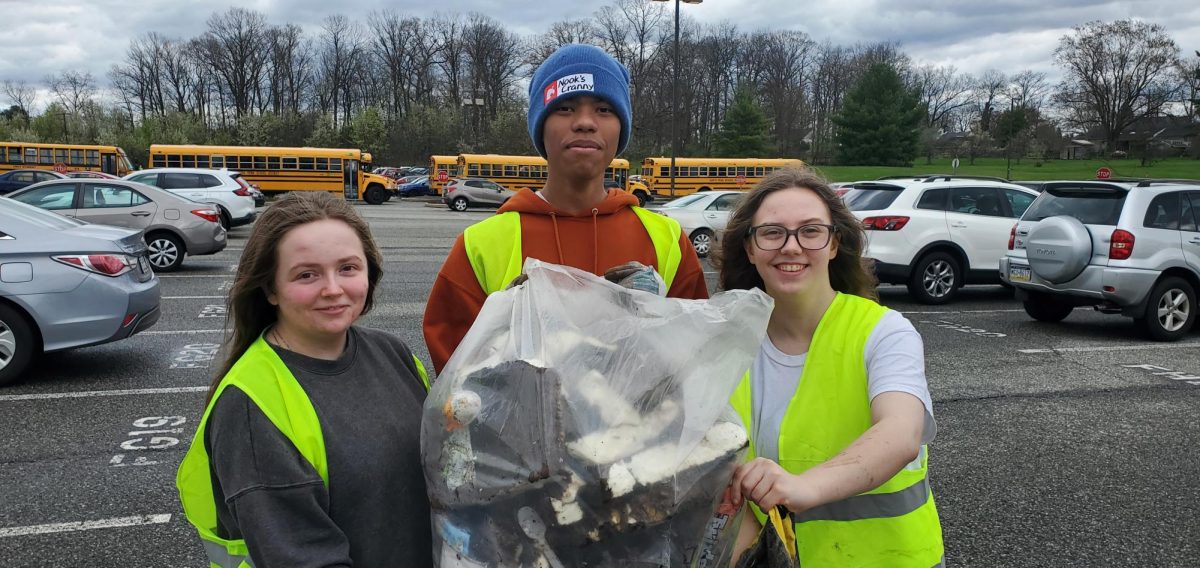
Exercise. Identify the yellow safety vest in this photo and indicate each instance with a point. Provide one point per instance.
(494, 247)
(895, 525)
(263, 377)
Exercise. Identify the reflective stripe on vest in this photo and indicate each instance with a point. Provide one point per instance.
(895, 524)
(219, 556)
(493, 247)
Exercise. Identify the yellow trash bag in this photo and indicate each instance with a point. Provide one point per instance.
(775, 545)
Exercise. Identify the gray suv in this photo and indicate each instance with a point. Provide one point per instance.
(459, 194)
(1129, 248)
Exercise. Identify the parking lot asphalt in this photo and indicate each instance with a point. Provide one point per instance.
(1070, 444)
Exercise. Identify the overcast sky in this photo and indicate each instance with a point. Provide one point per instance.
(42, 38)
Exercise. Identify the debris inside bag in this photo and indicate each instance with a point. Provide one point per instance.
(561, 438)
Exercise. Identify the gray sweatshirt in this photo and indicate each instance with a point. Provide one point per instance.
(375, 511)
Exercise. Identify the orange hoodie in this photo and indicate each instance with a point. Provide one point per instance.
(609, 235)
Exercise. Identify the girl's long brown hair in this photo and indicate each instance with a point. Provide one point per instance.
(848, 272)
(248, 313)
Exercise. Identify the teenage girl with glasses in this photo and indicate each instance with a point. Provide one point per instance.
(836, 404)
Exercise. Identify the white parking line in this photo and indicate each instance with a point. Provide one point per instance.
(113, 523)
(1139, 347)
(180, 332)
(965, 312)
(90, 394)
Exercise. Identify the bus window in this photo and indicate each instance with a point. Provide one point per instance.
(335, 164)
(77, 158)
(60, 155)
(510, 171)
(473, 170)
(218, 162)
(307, 164)
(245, 162)
(260, 162)
(31, 155)
(188, 160)
(290, 163)
(273, 162)
(322, 164)
(173, 161)
(47, 156)
(201, 161)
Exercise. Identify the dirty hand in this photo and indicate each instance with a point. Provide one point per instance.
(768, 485)
(637, 276)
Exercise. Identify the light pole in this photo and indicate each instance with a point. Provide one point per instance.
(675, 92)
(1013, 99)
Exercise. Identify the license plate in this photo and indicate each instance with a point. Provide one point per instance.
(1018, 273)
(143, 265)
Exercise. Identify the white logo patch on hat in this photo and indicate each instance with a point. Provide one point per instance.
(569, 84)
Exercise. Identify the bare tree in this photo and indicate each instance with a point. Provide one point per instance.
(990, 87)
(235, 46)
(560, 34)
(495, 57)
(1031, 89)
(943, 90)
(20, 94)
(451, 56)
(1115, 73)
(1188, 73)
(291, 72)
(340, 62)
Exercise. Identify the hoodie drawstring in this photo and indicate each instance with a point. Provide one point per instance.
(595, 242)
(557, 240)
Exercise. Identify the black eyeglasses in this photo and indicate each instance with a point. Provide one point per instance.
(809, 237)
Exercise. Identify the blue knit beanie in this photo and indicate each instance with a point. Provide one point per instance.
(575, 70)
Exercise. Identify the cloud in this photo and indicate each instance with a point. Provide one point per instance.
(1009, 35)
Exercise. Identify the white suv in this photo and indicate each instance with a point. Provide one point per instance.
(222, 188)
(937, 233)
(1129, 248)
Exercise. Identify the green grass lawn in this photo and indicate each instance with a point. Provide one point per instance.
(1027, 170)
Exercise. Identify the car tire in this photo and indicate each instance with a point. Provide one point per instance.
(374, 195)
(642, 198)
(459, 204)
(1043, 307)
(225, 220)
(935, 278)
(702, 241)
(18, 344)
(164, 251)
(1170, 310)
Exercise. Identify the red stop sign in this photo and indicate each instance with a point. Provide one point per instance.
(60, 168)
(1103, 173)
(443, 176)
(741, 179)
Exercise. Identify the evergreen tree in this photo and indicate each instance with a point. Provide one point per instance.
(744, 130)
(880, 121)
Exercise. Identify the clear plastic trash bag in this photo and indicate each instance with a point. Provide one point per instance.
(581, 423)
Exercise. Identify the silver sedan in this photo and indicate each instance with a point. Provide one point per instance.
(703, 216)
(173, 225)
(67, 284)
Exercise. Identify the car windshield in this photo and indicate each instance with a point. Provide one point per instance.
(684, 201)
(871, 197)
(37, 217)
(1092, 206)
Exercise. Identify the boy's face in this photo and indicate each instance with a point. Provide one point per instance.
(581, 136)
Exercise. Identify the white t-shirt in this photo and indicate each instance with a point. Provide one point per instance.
(895, 360)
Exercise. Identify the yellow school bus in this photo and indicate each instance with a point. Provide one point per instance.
(64, 158)
(515, 172)
(709, 174)
(441, 169)
(336, 170)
